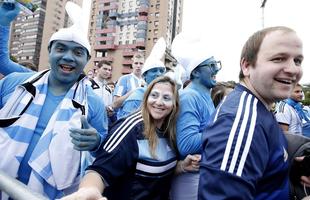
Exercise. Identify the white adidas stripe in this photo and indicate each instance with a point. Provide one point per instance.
(118, 132)
(123, 135)
(111, 139)
(232, 133)
(249, 139)
(240, 135)
(218, 109)
(155, 169)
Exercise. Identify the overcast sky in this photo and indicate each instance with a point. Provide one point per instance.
(230, 22)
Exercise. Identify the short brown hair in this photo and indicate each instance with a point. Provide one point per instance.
(253, 44)
(138, 55)
(104, 62)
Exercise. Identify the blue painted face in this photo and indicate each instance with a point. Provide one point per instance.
(208, 70)
(151, 74)
(67, 60)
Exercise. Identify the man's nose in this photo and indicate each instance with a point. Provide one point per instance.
(292, 68)
(68, 56)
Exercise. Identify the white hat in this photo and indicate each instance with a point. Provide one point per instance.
(153, 61)
(189, 51)
(78, 31)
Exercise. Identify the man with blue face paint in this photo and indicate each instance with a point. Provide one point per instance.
(196, 107)
(152, 68)
(49, 120)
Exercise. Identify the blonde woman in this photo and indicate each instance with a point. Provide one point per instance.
(139, 157)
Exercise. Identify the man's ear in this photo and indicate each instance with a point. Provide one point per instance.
(245, 67)
(196, 73)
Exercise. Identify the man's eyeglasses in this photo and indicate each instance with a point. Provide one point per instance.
(215, 66)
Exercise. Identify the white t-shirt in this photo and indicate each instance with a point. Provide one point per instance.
(104, 92)
(286, 114)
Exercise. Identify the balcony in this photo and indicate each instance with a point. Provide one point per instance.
(107, 1)
(106, 30)
(143, 10)
(105, 46)
(140, 45)
(142, 25)
(111, 7)
(127, 53)
(108, 58)
(105, 39)
(113, 14)
(127, 62)
(142, 18)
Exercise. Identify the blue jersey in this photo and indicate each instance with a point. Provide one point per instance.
(196, 107)
(132, 103)
(127, 167)
(126, 84)
(244, 152)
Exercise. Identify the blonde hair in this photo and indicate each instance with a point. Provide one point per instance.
(138, 55)
(169, 125)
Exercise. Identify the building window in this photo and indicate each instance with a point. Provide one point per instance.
(157, 15)
(155, 32)
(156, 23)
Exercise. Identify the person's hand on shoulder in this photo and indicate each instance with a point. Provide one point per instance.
(9, 9)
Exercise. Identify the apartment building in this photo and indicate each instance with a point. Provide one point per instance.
(31, 32)
(119, 28)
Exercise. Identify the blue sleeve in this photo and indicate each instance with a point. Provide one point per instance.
(8, 84)
(97, 114)
(188, 126)
(114, 163)
(121, 87)
(231, 178)
(7, 66)
(129, 107)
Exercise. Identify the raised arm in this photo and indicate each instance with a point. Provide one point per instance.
(8, 12)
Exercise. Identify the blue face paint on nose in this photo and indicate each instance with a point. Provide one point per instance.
(68, 56)
(153, 73)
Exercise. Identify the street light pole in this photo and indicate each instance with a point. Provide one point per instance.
(263, 7)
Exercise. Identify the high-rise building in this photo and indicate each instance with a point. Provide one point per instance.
(30, 33)
(119, 28)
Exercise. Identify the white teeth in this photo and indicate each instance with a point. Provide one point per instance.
(286, 81)
(66, 67)
(159, 109)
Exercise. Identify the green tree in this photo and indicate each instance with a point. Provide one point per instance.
(13, 59)
(306, 89)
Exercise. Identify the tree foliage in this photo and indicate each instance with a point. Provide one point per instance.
(306, 89)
